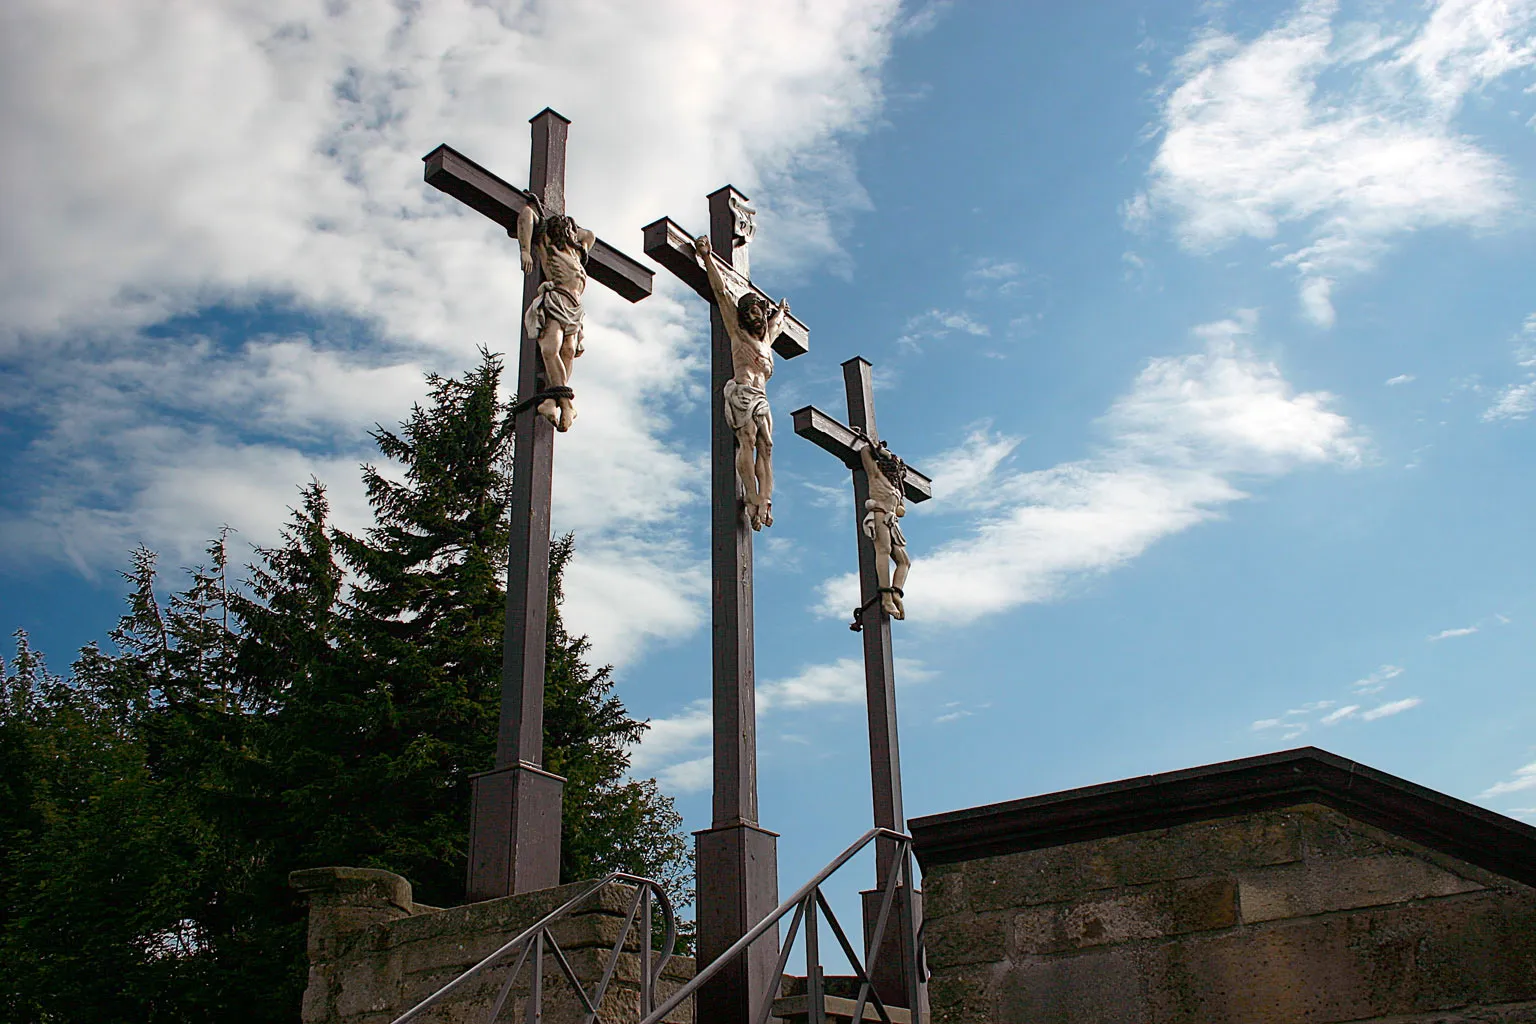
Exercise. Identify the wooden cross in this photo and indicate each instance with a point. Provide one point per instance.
(879, 670)
(514, 832)
(736, 859)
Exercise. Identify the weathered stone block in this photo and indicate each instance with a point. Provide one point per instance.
(1141, 912)
(1407, 959)
(1321, 884)
(966, 938)
(963, 995)
(1187, 851)
(1101, 986)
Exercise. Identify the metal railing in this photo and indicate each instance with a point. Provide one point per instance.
(539, 941)
(806, 903)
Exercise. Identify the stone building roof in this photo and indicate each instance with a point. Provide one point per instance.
(1478, 836)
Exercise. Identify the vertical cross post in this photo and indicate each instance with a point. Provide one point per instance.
(897, 950)
(514, 831)
(736, 859)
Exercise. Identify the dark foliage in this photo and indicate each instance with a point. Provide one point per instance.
(153, 803)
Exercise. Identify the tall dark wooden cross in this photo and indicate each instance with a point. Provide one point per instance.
(514, 836)
(736, 859)
(898, 953)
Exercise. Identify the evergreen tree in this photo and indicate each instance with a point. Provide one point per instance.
(152, 805)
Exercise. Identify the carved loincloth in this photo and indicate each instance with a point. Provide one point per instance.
(892, 522)
(555, 303)
(745, 403)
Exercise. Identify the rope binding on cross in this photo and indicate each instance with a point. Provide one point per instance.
(557, 392)
(857, 625)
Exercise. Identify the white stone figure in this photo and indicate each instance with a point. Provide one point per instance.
(882, 522)
(752, 324)
(555, 317)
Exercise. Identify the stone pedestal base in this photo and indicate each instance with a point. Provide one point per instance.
(514, 832)
(738, 886)
(890, 975)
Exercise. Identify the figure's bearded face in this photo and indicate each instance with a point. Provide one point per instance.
(752, 314)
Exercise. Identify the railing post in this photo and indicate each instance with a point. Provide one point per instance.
(647, 995)
(818, 1007)
(536, 983)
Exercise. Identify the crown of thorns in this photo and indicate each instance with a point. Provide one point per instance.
(890, 465)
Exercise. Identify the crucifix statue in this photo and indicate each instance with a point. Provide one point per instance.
(751, 322)
(882, 485)
(736, 859)
(514, 832)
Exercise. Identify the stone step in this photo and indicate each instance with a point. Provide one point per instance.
(797, 1010)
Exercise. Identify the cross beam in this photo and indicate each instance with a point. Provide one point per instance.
(452, 172)
(899, 952)
(514, 830)
(672, 247)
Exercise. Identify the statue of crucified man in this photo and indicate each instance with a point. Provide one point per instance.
(752, 328)
(555, 317)
(884, 508)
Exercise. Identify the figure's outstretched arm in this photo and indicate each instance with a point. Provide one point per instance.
(705, 252)
(866, 455)
(525, 237)
(776, 315)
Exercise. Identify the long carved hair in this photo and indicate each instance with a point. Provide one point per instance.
(890, 466)
(557, 231)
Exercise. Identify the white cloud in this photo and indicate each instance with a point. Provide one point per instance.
(1523, 779)
(240, 157)
(675, 749)
(1395, 707)
(1378, 680)
(1179, 444)
(1333, 137)
(940, 323)
(1334, 717)
(1402, 378)
(1447, 634)
(1518, 401)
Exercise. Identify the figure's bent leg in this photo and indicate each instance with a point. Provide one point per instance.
(568, 350)
(555, 375)
(899, 578)
(746, 471)
(882, 542)
(764, 472)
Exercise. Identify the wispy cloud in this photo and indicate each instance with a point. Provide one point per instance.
(1339, 714)
(1523, 779)
(1518, 401)
(1402, 378)
(1334, 138)
(676, 749)
(1395, 707)
(940, 323)
(1378, 680)
(1180, 444)
(1447, 634)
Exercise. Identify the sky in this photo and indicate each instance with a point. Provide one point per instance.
(1215, 326)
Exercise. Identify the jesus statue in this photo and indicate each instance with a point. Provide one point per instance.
(752, 323)
(555, 317)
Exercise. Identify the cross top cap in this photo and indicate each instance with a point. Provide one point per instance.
(551, 112)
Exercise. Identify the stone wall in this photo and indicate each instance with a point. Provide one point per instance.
(374, 953)
(1294, 915)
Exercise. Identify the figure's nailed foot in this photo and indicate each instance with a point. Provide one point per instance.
(755, 517)
(767, 513)
(550, 410)
(567, 417)
(889, 604)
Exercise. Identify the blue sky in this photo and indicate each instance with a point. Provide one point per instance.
(1215, 326)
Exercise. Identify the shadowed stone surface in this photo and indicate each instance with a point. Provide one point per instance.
(374, 953)
(1297, 914)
